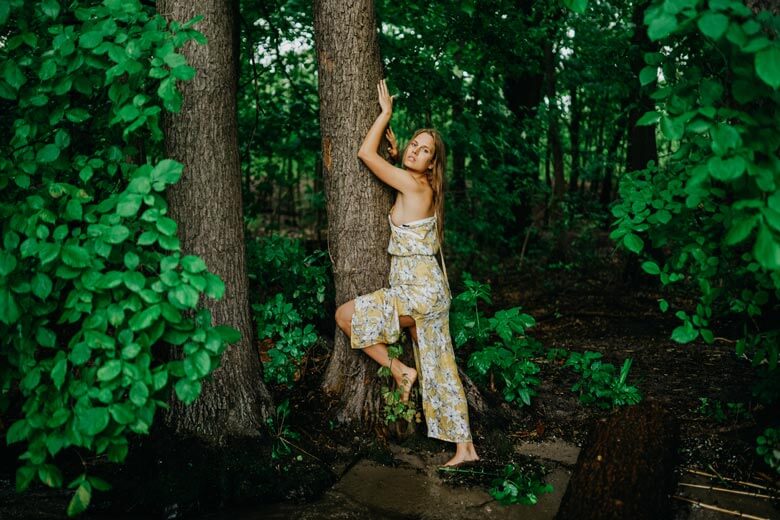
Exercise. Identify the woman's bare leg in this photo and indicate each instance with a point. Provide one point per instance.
(404, 375)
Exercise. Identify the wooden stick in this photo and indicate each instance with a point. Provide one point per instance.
(720, 509)
(704, 474)
(725, 490)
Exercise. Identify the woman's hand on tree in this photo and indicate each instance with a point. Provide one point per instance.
(392, 150)
(385, 99)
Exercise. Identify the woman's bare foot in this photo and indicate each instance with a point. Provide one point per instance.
(464, 452)
(404, 377)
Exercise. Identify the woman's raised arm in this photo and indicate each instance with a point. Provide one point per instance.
(387, 173)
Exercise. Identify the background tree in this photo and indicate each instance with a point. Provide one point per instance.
(208, 205)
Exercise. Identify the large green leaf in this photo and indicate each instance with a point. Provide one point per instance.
(713, 24)
(768, 66)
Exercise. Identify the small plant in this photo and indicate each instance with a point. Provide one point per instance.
(769, 447)
(395, 408)
(519, 487)
(509, 357)
(721, 413)
(598, 385)
(281, 323)
(282, 434)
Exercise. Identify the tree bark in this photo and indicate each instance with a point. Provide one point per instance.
(553, 130)
(574, 131)
(207, 203)
(641, 139)
(358, 233)
(625, 468)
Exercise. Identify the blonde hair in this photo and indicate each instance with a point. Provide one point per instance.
(436, 176)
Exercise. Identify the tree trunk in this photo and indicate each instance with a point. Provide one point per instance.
(553, 131)
(625, 468)
(641, 139)
(574, 131)
(207, 203)
(358, 233)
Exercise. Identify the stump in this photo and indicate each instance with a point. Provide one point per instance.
(626, 467)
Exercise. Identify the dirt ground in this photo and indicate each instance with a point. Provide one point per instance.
(596, 311)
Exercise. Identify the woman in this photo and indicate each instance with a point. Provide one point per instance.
(419, 295)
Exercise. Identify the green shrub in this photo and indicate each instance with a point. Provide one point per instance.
(291, 293)
(93, 285)
(502, 350)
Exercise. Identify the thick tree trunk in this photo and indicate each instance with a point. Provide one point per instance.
(349, 69)
(207, 203)
(625, 468)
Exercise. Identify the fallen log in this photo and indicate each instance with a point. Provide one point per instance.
(626, 467)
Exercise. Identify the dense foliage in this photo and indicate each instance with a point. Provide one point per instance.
(709, 211)
(93, 285)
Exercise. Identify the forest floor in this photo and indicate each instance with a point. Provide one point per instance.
(343, 474)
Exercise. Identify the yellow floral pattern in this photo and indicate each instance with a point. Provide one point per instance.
(419, 289)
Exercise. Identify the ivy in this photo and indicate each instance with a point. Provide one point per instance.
(93, 284)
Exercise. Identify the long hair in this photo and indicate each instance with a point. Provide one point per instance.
(436, 176)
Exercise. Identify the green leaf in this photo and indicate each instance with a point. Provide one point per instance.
(7, 263)
(9, 310)
(166, 226)
(80, 500)
(633, 242)
(726, 169)
(58, 372)
(648, 75)
(50, 8)
(139, 393)
(75, 256)
(685, 333)
(183, 296)
(41, 285)
(651, 268)
(145, 319)
(14, 75)
(93, 420)
(662, 26)
(766, 249)
(50, 475)
(166, 172)
(90, 39)
(578, 6)
(48, 153)
(229, 334)
(740, 229)
(648, 118)
(187, 391)
(116, 234)
(129, 203)
(672, 128)
(768, 66)
(193, 264)
(109, 370)
(134, 280)
(713, 24)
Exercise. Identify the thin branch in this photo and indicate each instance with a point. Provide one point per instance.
(725, 490)
(720, 509)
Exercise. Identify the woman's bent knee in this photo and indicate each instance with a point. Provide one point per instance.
(344, 315)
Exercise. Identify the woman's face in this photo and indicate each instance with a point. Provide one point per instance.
(419, 153)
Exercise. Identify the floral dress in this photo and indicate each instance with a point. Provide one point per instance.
(418, 288)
